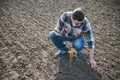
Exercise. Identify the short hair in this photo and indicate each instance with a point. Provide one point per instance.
(78, 14)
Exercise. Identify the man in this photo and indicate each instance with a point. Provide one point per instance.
(75, 27)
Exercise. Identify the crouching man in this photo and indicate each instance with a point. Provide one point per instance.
(74, 27)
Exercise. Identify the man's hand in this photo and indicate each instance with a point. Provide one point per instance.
(68, 27)
(93, 63)
(76, 32)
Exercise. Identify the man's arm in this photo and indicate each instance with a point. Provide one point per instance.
(91, 46)
(92, 61)
(62, 27)
(60, 24)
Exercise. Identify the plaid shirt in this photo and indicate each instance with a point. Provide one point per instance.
(65, 26)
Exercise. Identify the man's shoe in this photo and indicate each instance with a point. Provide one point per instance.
(79, 53)
(61, 52)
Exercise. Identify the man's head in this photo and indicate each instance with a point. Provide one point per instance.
(78, 16)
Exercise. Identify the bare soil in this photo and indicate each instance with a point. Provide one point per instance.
(27, 53)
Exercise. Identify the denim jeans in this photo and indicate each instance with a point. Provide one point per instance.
(77, 43)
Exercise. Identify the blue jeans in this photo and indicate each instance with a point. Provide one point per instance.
(77, 43)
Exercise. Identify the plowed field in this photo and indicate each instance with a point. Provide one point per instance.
(27, 53)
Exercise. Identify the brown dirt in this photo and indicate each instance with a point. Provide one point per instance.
(26, 52)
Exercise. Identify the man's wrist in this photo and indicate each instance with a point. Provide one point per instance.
(91, 54)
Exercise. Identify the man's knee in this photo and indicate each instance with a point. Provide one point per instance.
(78, 46)
(51, 34)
